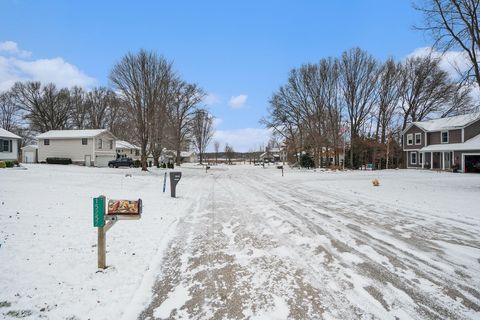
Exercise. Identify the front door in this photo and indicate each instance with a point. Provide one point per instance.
(88, 160)
(447, 160)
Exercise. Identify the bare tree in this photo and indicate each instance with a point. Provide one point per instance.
(455, 24)
(78, 108)
(202, 131)
(216, 146)
(9, 113)
(100, 105)
(427, 90)
(186, 99)
(358, 74)
(138, 78)
(229, 153)
(45, 107)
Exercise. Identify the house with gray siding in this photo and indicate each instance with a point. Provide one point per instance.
(444, 144)
(95, 147)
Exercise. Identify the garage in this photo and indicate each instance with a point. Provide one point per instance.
(102, 161)
(29, 154)
(472, 163)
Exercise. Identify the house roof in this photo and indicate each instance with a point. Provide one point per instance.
(471, 144)
(186, 153)
(456, 122)
(30, 146)
(71, 134)
(121, 144)
(7, 134)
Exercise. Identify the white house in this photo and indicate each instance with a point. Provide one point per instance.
(8, 145)
(127, 150)
(29, 153)
(87, 147)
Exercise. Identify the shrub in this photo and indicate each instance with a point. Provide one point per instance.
(16, 163)
(170, 165)
(59, 161)
(137, 163)
(306, 161)
(2, 164)
(9, 164)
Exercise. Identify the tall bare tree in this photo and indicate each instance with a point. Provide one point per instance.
(45, 107)
(138, 78)
(202, 131)
(454, 24)
(186, 99)
(358, 76)
(216, 147)
(9, 113)
(229, 153)
(78, 108)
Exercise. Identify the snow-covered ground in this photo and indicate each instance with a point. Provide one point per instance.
(242, 242)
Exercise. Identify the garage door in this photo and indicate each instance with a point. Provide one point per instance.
(472, 164)
(102, 161)
(29, 157)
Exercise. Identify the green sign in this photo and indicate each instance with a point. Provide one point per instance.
(99, 211)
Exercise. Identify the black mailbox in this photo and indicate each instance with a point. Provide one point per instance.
(175, 176)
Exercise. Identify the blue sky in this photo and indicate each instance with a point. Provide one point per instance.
(239, 49)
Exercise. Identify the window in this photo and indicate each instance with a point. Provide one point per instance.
(6, 146)
(444, 136)
(418, 138)
(420, 158)
(413, 158)
(137, 152)
(84, 141)
(99, 144)
(409, 139)
(46, 142)
(111, 144)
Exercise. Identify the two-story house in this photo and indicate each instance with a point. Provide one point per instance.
(93, 147)
(443, 144)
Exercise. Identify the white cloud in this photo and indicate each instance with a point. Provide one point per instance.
(238, 101)
(217, 122)
(56, 70)
(450, 61)
(211, 99)
(12, 48)
(242, 140)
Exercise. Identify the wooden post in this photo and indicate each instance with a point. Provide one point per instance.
(102, 248)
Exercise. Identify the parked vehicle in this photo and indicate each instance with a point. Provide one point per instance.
(121, 162)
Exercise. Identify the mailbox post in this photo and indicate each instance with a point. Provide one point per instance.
(175, 176)
(117, 210)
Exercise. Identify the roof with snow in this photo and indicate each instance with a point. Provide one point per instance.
(185, 154)
(471, 144)
(71, 134)
(7, 134)
(448, 123)
(121, 144)
(30, 146)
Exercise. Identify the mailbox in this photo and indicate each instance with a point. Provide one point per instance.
(175, 176)
(124, 209)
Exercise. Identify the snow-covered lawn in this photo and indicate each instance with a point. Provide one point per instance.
(239, 242)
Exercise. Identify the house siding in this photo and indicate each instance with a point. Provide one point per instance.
(65, 148)
(455, 136)
(413, 129)
(434, 138)
(10, 155)
(409, 158)
(472, 130)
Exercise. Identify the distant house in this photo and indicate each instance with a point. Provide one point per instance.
(125, 149)
(443, 144)
(188, 157)
(94, 147)
(30, 154)
(9, 143)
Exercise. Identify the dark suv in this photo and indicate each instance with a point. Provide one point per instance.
(121, 162)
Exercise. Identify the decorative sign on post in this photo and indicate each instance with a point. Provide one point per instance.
(117, 210)
(99, 211)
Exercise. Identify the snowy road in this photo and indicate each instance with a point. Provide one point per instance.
(260, 246)
(241, 242)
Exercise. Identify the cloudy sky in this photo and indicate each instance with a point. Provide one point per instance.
(238, 51)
